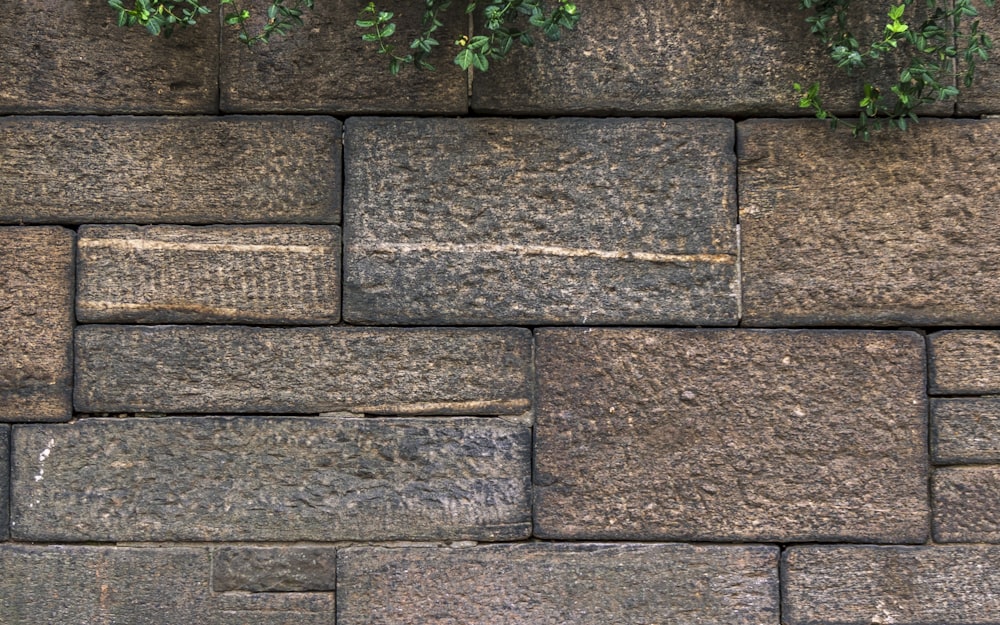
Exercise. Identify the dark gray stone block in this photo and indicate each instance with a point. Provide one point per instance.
(966, 504)
(274, 569)
(964, 362)
(965, 430)
(4, 482)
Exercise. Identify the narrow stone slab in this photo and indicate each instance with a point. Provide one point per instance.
(274, 569)
(858, 247)
(36, 323)
(272, 479)
(538, 583)
(607, 221)
(237, 274)
(4, 482)
(860, 585)
(232, 369)
(983, 98)
(325, 67)
(966, 506)
(72, 58)
(964, 362)
(79, 585)
(193, 170)
(965, 430)
(721, 435)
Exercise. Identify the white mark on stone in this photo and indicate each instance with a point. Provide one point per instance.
(42, 457)
(543, 250)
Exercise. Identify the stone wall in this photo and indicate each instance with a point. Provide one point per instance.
(614, 335)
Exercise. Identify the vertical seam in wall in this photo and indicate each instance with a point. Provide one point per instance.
(340, 220)
(927, 442)
(534, 428)
(739, 226)
(9, 487)
(782, 585)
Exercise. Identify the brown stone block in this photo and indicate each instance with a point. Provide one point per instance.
(722, 435)
(4, 482)
(68, 56)
(964, 362)
(237, 274)
(965, 430)
(195, 170)
(274, 569)
(966, 504)
(584, 584)
(897, 231)
(36, 323)
(983, 98)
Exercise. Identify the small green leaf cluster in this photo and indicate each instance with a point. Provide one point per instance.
(931, 46)
(159, 17)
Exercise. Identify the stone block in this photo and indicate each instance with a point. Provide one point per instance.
(278, 275)
(965, 430)
(726, 435)
(4, 482)
(865, 584)
(325, 67)
(274, 569)
(271, 479)
(983, 98)
(84, 585)
(966, 504)
(238, 369)
(36, 323)
(192, 170)
(533, 222)
(584, 584)
(901, 235)
(70, 57)
(964, 362)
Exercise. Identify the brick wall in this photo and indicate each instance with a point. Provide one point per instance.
(602, 339)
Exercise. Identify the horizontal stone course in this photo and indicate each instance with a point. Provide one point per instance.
(966, 504)
(965, 430)
(964, 362)
(274, 569)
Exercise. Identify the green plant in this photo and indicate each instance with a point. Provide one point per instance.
(929, 47)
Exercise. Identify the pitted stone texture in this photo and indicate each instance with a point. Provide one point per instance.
(280, 275)
(193, 170)
(864, 584)
(966, 504)
(81, 585)
(4, 481)
(69, 56)
(531, 222)
(36, 323)
(725, 435)
(583, 584)
(234, 369)
(272, 479)
(964, 362)
(274, 569)
(325, 67)
(875, 244)
(983, 97)
(965, 430)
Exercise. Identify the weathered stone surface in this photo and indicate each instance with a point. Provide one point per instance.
(271, 479)
(238, 274)
(559, 583)
(902, 234)
(195, 170)
(274, 569)
(81, 585)
(966, 504)
(864, 584)
(4, 481)
(984, 96)
(964, 362)
(965, 430)
(232, 369)
(534, 222)
(70, 57)
(728, 435)
(36, 323)
(325, 67)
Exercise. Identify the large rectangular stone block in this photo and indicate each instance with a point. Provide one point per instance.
(4, 482)
(86, 585)
(538, 583)
(864, 584)
(274, 569)
(36, 323)
(722, 435)
(966, 504)
(271, 479)
(964, 362)
(234, 369)
(492, 221)
(236, 274)
(193, 170)
(901, 235)
(965, 430)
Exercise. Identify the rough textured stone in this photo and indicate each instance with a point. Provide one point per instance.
(730, 435)
(558, 583)
(965, 430)
(540, 222)
(36, 323)
(902, 234)
(274, 569)
(984, 96)
(4, 481)
(81, 585)
(204, 369)
(68, 56)
(966, 504)
(271, 479)
(196, 170)
(863, 584)
(325, 67)
(237, 274)
(964, 362)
